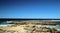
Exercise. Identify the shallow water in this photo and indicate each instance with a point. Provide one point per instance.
(57, 27)
(4, 25)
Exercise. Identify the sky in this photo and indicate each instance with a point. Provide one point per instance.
(29, 8)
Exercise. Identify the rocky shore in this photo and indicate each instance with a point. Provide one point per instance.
(27, 28)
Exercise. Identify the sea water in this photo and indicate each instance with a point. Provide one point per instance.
(5, 25)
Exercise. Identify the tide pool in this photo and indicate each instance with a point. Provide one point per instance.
(57, 27)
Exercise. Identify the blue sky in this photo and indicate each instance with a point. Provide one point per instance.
(30, 9)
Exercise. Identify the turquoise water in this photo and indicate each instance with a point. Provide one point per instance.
(3, 25)
(57, 27)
